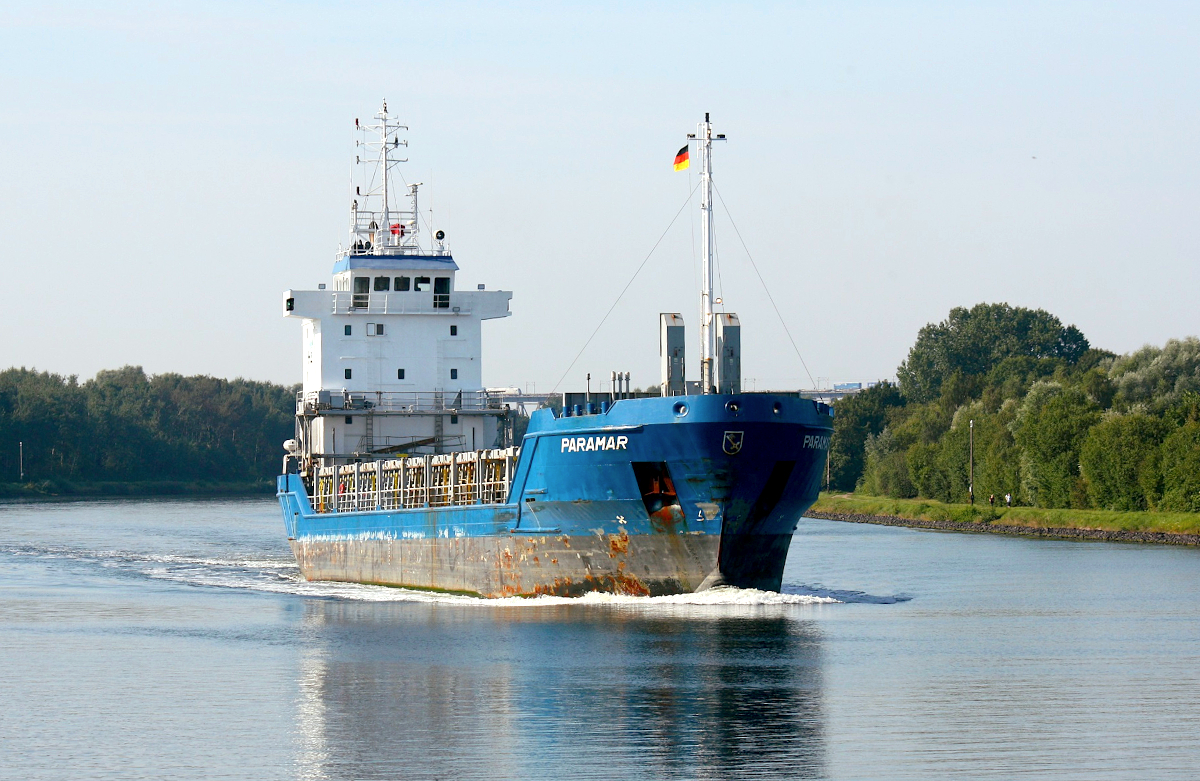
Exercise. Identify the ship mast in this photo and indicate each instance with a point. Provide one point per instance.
(707, 336)
(386, 226)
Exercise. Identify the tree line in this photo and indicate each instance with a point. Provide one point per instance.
(1057, 423)
(125, 426)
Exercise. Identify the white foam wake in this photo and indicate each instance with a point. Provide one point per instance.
(282, 576)
(292, 583)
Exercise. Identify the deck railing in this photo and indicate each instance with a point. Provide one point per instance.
(401, 303)
(450, 479)
(398, 401)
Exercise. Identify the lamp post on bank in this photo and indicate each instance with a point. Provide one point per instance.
(971, 463)
(21, 458)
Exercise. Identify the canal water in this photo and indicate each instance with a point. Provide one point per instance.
(174, 639)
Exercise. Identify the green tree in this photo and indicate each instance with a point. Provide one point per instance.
(855, 418)
(925, 471)
(1185, 409)
(1013, 375)
(974, 341)
(1099, 388)
(886, 471)
(1120, 462)
(1050, 427)
(1180, 466)
(1157, 377)
(997, 457)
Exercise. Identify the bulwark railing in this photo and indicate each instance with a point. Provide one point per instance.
(402, 303)
(451, 479)
(397, 401)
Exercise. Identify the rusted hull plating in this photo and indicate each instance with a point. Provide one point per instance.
(518, 565)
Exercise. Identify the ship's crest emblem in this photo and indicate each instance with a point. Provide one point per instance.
(732, 444)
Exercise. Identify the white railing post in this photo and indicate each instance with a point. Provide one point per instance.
(357, 484)
(428, 474)
(478, 498)
(403, 482)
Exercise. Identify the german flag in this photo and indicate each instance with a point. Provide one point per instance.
(682, 161)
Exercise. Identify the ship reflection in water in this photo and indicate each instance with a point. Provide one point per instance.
(572, 691)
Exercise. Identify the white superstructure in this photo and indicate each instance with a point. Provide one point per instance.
(392, 349)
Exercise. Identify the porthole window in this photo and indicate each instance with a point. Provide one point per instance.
(399, 374)
(347, 330)
(347, 371)
(454, 330)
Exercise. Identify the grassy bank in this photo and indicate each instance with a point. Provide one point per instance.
(62, 489)
(1031, 517)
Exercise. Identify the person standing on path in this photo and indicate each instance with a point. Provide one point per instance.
(992, 500)
(1008, 500)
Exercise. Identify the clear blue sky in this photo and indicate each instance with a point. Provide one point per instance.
(170, 169)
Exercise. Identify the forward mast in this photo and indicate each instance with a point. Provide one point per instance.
(704, 138)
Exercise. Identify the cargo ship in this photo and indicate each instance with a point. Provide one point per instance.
(407, 471)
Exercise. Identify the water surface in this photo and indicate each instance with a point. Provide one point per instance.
(174, 639)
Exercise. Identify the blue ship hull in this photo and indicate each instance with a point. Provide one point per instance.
(654, 496)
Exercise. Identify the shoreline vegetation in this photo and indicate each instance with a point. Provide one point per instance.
(1083, 524)
(998, 401)
(58, 490)
(124, 433)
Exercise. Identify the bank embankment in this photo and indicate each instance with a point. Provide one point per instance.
(1105, 525)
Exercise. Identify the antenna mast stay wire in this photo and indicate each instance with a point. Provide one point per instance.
(766, 289)
(624, 289)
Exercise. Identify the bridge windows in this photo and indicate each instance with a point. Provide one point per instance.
(382, 284)
(362, 292)
(402, 284)
(421, 284)
(441, 293)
